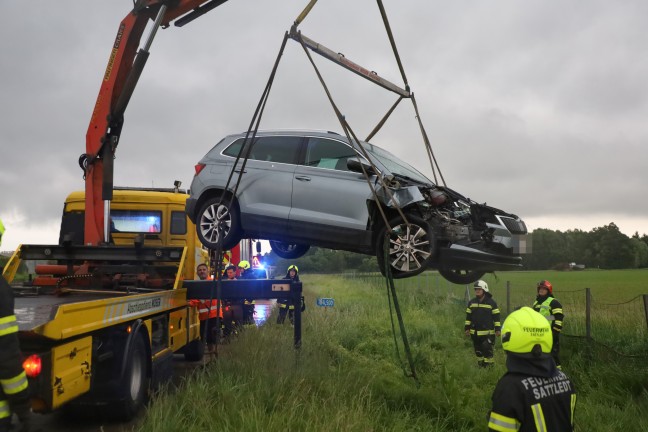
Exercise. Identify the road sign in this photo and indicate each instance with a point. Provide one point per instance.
(325, 302)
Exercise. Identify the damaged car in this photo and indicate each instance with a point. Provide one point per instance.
(313, 188)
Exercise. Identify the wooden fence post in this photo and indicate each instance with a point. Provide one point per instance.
(508, 297)
(588, 312)
(645, 299)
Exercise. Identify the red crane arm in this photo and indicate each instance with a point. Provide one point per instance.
(125, 65)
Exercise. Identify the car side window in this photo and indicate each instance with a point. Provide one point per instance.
(279, 149)
(327, 153)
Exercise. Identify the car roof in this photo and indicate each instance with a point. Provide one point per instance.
(293, 132)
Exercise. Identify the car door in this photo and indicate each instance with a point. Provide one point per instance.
(265, 190)
(329, 202)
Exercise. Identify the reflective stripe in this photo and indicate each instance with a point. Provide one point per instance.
(282, 306)
(481, 305)
(4, 409)
(483, 332)
(573, 407)
(496, 311)
(14, 385)
(468, 310)
(468, 323)
(538, 418)
(557, 311)
(8, 325)
(502, 423)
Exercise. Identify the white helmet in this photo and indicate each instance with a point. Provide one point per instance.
(481, 284)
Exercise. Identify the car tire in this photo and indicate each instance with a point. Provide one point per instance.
(288, 250)
(461, 277)
(213, 213)
(411, 248)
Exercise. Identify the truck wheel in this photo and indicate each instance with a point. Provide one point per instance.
(194, 351)
(135, 384)
(460, 277)
(411, 248)
(213, 215)
(288, 250)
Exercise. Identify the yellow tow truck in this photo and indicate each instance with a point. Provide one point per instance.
(103, 312)
(100, 325)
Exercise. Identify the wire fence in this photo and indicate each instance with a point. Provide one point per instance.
(599, 328)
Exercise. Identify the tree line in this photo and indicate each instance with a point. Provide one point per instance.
(604, 247)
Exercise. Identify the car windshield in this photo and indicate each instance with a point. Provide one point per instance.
(395, 165)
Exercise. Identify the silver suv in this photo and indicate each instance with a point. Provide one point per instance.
(303, 188)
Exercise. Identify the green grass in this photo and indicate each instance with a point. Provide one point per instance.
(347, 376)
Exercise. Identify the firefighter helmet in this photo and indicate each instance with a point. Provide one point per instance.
(293, 267)
(526, 331)
(244, 265)
(546, 284)
(480, 284)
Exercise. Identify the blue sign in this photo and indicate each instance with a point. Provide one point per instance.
(325, 302)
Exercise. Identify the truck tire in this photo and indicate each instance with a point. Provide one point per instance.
(194, 351)
(134, 388)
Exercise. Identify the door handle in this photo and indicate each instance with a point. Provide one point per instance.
(238, 171)
(302, 178)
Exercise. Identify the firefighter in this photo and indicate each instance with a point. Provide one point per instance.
(14, 392)
(246, 272)
(533, 395)
(482, 323)
(551, 309)
(207, 312)
(286, 306)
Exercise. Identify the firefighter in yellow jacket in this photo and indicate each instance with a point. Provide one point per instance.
(550, 308)
(14, 393)
(533, 395)
(482, 323)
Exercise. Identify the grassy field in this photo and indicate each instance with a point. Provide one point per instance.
(347, 376)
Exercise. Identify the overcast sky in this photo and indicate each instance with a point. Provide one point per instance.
(536, 107)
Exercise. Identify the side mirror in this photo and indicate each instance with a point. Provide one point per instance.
(356, 164)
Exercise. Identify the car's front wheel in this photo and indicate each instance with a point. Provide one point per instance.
(410, 247)
(216, 218)
(460, 276)
(288, 250)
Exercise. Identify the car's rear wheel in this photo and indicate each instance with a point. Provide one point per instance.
(410, 248)
(216, 218)
(288, 250)
(460, 276)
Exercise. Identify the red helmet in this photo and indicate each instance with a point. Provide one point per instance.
(546, 284)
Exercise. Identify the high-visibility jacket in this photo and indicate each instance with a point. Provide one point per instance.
(482, 316)
(526, 403)
(13, 381)
(205, 310)
(551, 309)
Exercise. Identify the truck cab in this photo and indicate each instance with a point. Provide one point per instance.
(155, 216)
